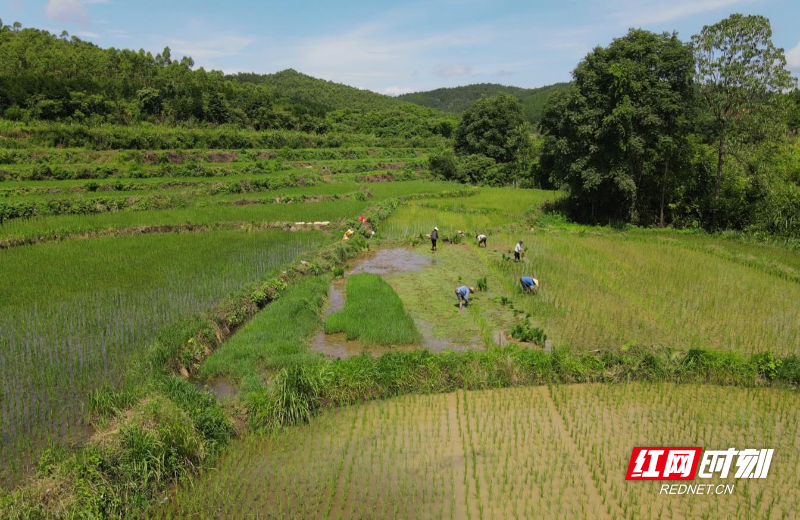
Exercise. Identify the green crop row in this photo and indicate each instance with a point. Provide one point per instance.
(48, 172)
(373, 314)
(150, 157)
(150, 137)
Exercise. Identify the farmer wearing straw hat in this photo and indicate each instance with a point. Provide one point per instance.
(529, 284)
(434, 238)
(481, 240)
(463, 293)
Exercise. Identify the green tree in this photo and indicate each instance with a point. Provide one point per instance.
(794, 116)
(615, 135)
(494, 127)
(740, 74)
(443, 164)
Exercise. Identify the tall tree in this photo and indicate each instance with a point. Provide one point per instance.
(740, 74)
(614, 137)
(494, 127)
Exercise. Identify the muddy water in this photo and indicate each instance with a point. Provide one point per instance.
(221, 388)
(391, 261)
(383, 261)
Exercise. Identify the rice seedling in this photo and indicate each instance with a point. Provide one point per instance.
(75, 314)
(606, 290)
(522, 452)
(373, 314)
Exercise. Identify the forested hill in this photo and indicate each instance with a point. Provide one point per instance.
(48, 77)
(326, 95)
(457, 99)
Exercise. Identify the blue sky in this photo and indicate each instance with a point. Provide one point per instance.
(391, 47)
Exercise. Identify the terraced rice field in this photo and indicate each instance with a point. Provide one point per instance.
(148, 239)
(607, 289)
(515, 453)
(106, 250)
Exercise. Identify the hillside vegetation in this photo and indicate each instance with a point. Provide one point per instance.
(318, 93)
(456, 100)
(44, 77)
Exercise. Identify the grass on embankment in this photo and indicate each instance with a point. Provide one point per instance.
(373, 314)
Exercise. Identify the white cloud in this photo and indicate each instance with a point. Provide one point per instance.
(398, 90)
(66, 11)
(208, 48)
(70, 11)
(118, 33)
(659, 11)
(452, 70)
(793, 59)
(87, 34)
(376, 51)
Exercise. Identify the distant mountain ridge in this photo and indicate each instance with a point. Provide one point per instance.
(456, 100)
(326, 95)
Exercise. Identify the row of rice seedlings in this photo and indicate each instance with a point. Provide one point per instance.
(75, 312)
(205, 192)
(490, 209)
(522, 461)
(603, 291)
(413, 221)
(294, 474)
(512, 453)
(492, 454)
(781, 261)
(711, 417)
(373, 314)
(206, 155)
(59, 226)
(406, 461)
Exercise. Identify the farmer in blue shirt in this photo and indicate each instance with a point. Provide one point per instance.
(463, 293)
(529, 284)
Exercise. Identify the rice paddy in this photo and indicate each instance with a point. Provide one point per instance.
(532, 452)
(75, 321)
(418, 426)
(373, 314)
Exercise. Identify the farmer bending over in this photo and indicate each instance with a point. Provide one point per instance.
(518, 251)
(529, 284)
(463, 293)
(481, 240)
(434, 238)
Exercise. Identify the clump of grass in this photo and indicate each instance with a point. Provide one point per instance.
(524, 332)
(373, 314)
(338, 272)
(482, 284)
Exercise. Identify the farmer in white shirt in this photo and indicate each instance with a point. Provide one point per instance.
(518, 250)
